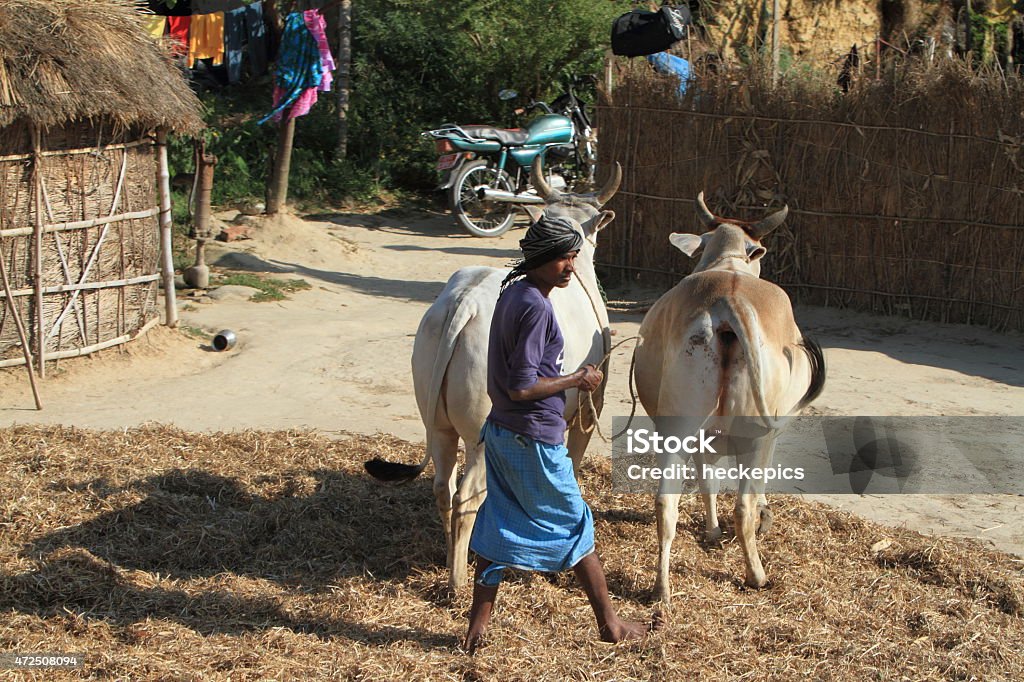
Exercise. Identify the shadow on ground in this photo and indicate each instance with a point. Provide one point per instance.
(205, 531)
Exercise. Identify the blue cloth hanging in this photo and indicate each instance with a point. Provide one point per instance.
(298, 64)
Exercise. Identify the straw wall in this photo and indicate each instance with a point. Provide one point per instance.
(904, 194)
(91, 191)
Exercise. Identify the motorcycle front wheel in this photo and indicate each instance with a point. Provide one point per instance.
(481, 217)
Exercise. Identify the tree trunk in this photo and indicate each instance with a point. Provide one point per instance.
(342, 80)
(277, 189)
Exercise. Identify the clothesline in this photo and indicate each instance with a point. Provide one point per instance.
(219, 36)
(198, 7)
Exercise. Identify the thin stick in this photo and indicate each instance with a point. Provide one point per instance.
(166, 258)
(86, 350)
(82, 150)
(92, 260)
(21, 330)
(80, 224)
(63, 258)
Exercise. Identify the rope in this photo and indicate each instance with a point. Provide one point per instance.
(588, 401)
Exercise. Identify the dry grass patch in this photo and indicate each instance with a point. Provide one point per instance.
(163, 554)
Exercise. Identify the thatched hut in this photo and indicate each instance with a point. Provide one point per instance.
(85, 95)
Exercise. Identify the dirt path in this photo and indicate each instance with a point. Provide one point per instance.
(336, 357)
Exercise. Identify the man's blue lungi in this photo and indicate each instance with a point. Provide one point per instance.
(533, 517)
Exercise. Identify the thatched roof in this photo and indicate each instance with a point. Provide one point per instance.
(66, 60)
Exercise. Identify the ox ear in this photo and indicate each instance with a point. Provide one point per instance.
(534, 211)
(755, 252)
(685, 242)
(602, 220)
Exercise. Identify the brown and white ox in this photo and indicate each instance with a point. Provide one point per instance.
(449, 366)
(723, 343)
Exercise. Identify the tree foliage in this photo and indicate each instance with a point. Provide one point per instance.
(418, 64)
(415, 65)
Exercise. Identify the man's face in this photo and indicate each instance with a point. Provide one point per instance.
(557, 273)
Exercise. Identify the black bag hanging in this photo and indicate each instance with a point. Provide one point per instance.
(639, 32)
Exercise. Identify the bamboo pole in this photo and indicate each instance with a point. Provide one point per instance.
(81, 224)
(63, 259)
(93, 257)
(70, 152)
(166, 258)
(21, 331)
(86, 350)
(89, 286)
(37, 237)
(775, 42)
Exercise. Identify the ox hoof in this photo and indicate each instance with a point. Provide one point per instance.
(756, 580)
(457, 581)
(713, 536)
(765, 522)
(662, 594)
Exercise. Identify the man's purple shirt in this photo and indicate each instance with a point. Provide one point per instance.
(525, 344)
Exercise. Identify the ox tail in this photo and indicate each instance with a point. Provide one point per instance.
(457, 317)
(817, 359)
(743, 320)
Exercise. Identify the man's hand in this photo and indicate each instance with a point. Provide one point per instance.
(586, 378)
(589, 378)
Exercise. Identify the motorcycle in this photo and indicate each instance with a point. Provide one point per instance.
(486, 170)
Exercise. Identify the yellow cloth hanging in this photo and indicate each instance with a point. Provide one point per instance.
(206, 38)
(155, 26)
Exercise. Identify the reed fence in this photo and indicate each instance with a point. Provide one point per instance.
(905, 193)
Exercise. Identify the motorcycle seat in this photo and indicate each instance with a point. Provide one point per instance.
(510, 138)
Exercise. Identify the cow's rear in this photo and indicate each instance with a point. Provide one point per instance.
(723, 344)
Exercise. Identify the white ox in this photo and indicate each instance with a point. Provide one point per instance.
(723, 343)
(449, 367)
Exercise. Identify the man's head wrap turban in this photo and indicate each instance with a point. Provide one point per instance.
(546, 240)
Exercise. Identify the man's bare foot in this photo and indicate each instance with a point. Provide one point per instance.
(474, 640)
(623, 630)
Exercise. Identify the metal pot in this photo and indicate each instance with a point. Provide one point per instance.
(224, 340)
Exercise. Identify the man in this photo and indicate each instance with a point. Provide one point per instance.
(534, 516)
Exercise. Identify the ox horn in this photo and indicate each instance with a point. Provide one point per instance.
(707, 218)
(761, 228)
(611, 186)
(544, 190)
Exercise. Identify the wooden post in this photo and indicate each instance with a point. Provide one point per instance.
(968, 41)
(166, 257)
(609, 59)
(775, 42)
(277, 190)
(878, 57)
(342, 80)
(37, 238)
(21, 330)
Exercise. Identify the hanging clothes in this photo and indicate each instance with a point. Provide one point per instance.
(155, 26)
(206, 38)
(256, 36)
(318, 28)
(298, 66)
(234, 41)
(178, 29)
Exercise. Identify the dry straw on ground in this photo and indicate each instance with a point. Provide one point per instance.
(162, 554)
